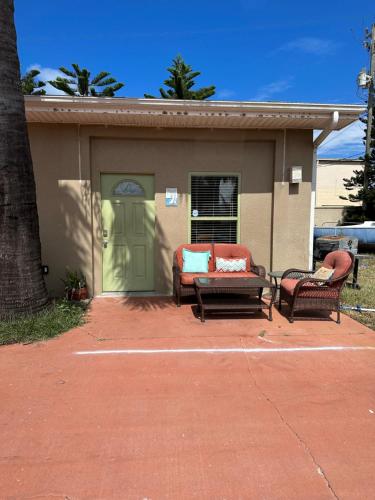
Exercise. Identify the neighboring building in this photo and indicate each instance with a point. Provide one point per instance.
(331, 173)
(104, 166)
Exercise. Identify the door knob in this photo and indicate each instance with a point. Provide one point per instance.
(105, 243)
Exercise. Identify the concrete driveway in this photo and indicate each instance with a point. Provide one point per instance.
(145, 402)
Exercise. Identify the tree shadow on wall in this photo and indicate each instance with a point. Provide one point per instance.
(75, 234)
(74, 231)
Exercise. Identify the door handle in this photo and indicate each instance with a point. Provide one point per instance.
(105, 243)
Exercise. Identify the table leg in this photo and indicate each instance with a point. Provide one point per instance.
(270, 312)
(355, 274)
(200, 304)
(260, 294)
(202, 315)
(277, 288)
(272, 301)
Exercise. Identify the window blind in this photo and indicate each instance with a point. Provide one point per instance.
(214, 195)
(214, 208)
(203, 231)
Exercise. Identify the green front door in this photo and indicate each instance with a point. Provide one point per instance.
(128, 231)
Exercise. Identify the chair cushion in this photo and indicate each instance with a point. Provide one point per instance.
(196, 247)
(233, 251)
(308, 290)
(340, 261)
(187, 278)
(195, 262)
(289, 284)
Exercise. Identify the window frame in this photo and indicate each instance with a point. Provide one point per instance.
(227, 218)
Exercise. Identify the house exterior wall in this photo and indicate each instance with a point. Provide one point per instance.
(330, 186)
(68, 161)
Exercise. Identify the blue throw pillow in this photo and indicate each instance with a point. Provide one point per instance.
(195, 262)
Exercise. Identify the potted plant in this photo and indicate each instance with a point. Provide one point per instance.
(75, 285)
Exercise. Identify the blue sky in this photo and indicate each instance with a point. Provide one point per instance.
(267, 50)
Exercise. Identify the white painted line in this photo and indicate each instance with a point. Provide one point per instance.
(215, 350)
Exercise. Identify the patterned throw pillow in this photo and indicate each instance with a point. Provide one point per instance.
(323, 273)
(230, 265)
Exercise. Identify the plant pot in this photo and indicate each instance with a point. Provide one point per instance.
(78, 294)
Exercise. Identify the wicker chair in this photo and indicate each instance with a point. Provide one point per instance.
(303, 293)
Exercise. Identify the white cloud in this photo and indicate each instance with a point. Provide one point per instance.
(344, 143)
(45, 75)
(225, 93)
(267, 91)
(311, 45)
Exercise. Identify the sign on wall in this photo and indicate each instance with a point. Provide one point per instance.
(171, 197)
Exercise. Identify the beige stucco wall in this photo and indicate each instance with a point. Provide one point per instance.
(330, 177)
(68, 161)
(328, 216)
(330, 186)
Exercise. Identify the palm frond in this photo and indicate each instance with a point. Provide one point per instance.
(164, 94)
(99, 76)
(105, 82)
(117, 86)
(77, 69)
(62, 84)
(193, 75)
(32, 73)
(67, 72)
(205, 92)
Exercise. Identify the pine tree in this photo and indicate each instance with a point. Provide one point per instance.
(79, 83)
(181, 82)
(364, 194)
(30, 85)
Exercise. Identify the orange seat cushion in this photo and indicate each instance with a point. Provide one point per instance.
(308, 290)
(340, 261)
(188, 278)
(289, 284)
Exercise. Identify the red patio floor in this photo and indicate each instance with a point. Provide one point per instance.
(279, 424)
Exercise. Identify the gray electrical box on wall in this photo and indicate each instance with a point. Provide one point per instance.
(295, 175)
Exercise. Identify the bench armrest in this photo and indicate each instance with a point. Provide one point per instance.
(259, 270)
(299, 272)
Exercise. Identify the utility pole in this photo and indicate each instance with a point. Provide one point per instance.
(366, 80)
(369, 44)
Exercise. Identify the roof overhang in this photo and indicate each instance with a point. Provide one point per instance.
(188, 114)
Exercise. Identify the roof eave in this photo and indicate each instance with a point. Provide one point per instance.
(180, 113)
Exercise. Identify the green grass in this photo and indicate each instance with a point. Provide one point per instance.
(365, 297)
(60, 317)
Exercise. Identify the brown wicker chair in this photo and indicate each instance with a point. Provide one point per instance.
(303, 293)
(183, 283)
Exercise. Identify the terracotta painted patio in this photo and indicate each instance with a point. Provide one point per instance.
(233, 410)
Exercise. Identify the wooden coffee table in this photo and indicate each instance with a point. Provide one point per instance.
(233, 295)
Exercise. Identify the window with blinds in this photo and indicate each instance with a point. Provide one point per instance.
(214, 208)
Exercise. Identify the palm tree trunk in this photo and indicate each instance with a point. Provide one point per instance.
(22, 287)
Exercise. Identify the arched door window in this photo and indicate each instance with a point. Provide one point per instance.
(128, 188)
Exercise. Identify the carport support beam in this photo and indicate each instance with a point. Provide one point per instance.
(317, 142)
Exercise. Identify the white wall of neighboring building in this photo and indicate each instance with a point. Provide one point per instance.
(331, 173)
